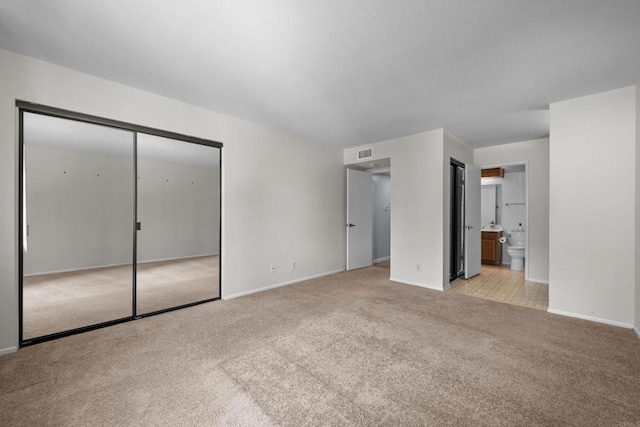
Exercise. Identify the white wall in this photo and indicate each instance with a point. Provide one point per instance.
(592, 202)
(416, 205)
(283, 197)
(80, 209)
(637, 218)
(381, 216)
(536, 154)
(420, 203)
(179, 209)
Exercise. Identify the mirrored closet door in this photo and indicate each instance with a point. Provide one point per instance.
(77, 224)
(179, 216)
(117, 222)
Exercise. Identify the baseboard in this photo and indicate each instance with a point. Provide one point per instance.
(176, 259)
(8, 350)
(542, 282)
(377, 260)
(279, 285)
(422, 285)
(637, 332)
(68, 270)
(115, 265)
(590, 318)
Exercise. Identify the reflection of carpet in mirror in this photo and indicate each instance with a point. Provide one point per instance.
(63, 301)
(166, 284)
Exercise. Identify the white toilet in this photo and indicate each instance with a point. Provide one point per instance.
(516, 249)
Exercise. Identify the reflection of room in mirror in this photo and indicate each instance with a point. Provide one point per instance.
(78, 210)
(63, 301)
(178, 207)
(79, 224)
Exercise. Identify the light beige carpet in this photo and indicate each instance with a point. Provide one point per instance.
(64, 301)
(347, 349)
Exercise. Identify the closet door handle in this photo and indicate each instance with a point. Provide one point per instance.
(138, 226)
(350, 225)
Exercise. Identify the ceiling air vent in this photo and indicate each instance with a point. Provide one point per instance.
(365, 153)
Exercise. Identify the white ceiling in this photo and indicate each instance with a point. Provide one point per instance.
(347, 72)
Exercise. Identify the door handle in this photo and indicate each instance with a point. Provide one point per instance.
(350, 225)
(468, 227)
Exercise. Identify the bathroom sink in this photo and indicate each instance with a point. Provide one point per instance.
(486, 227)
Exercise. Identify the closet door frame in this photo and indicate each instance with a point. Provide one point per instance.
(28, 107)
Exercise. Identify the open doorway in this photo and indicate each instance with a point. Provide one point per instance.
(505, 213)
(505, 240)
(369, 214)
(464, 221)
(456, 222)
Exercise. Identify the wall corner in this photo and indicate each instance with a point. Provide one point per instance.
(637, 216)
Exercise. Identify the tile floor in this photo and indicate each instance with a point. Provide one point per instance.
(499, 283)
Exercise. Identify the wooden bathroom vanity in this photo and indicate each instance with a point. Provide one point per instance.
(491, 247)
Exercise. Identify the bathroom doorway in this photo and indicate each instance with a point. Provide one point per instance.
(504, 210)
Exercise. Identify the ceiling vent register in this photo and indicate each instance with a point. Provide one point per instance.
(365, 153)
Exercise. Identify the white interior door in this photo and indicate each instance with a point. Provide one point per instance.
(359, 219)
(472, 206)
